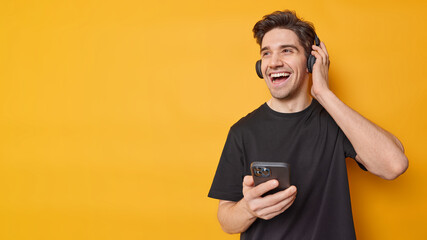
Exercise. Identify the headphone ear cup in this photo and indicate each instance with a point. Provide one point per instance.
(312, 59)
(258, 69)
(310, 63)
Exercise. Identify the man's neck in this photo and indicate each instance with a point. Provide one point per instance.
(290, 106)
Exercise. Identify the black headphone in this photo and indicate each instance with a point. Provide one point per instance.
(310, 61)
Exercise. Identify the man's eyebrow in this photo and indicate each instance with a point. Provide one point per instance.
(281, 47)
(263, 49)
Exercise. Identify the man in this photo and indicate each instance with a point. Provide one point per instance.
(305, 125)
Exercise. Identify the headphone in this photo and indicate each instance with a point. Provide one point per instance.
(310, 61)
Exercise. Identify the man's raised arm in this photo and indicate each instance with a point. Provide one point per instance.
(378, 150)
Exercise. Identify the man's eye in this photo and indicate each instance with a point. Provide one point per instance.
(287, 50)
(265, 54)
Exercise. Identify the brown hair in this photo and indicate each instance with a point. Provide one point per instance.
(286, 20)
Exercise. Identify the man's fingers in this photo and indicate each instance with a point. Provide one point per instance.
(271, 203)
(278, 197)
(269, 215)
(320, 56)
(323, 46)
(284, 200)
(320, 53)
(248, 180)
(262, 188)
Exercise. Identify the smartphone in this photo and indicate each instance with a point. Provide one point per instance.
(265, 171)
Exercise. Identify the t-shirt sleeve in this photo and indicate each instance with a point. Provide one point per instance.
(350, 152)
(227, 183)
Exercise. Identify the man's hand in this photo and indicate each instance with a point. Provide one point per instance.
(271, 205)
(320, 70)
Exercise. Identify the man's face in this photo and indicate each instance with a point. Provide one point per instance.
(284, 64)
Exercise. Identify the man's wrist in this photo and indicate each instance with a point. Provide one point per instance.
(322, 95)
(251, 216)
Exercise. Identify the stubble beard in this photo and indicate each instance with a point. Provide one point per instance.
(287, 93)
(280, 95)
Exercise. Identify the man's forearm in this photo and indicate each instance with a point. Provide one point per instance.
(234, 217)
(378, 150)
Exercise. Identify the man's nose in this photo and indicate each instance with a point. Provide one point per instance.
(275, 61)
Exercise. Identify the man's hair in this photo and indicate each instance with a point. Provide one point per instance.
(286, 20)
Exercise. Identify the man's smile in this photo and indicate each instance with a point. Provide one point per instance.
(279, 77)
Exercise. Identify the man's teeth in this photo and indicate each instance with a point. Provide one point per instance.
(276, 75)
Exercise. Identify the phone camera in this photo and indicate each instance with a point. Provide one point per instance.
(258, 172)
(262, 172)
(265, 172)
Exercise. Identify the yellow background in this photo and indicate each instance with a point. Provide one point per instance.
(114, 113)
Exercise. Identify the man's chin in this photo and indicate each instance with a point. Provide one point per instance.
(279, 96)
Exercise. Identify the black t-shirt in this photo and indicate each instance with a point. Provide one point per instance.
(315, 148)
